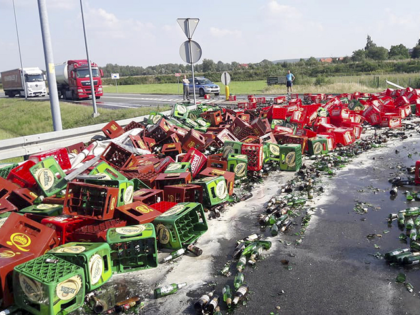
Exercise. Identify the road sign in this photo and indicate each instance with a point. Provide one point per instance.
(190, 52)
(225, 78)
(177, 74)
(188, 26)
(115, 75)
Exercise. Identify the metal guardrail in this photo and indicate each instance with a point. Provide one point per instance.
(20, 146)
(393, 84)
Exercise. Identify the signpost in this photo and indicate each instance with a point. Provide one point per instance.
(225, 78)
(178, 75)
(115, 76)
(190, 50)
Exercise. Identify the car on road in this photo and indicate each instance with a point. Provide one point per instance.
(204, 86)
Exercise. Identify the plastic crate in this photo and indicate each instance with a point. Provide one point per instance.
(178, 167)
(214, 172)
(291, 157)
(8, 260)
(183, 193)
(76, 148)
(163, 206)
(172, 179)
(96, 202)
(136, 213)
(13, 198)
(292, 139)
(255, 156)
(197, 160)
(96, 232)
(215, 190)
(181, 225)
(217, 161)
(317, 146)
(133, 247)
(65, 226)
(180, 111)
(112, 130)
(48, 288)
(238, 164)
(20, 175)
(159, 130)
(61, 156)
(125, 189)
(271, 152)
(148, 196)
(171, 149)
(5, 169)
(117, 156)
(133, 125)
(43, 209)
(193, 139)
(24, 235)
(94, 258)
(49, 176)
(231, 147)
(147, 178)
(104, 168)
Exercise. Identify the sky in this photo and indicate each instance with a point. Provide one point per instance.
(145, 33)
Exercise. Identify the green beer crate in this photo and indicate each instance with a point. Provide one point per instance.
(318, 146)
(214, 190)
(191, 123)
(231, 147)
(48, 285)
(49, 176)
(181, 225)
(279, 122)
(238, 164)
(202, 122)
(7, 167)
(94, 258)
(271, 152)
(49, 210)
(355, 105)
(154, 118)
(194, 114)
(126, 188)
(138, 184)
(104, 168)
(290, 157)
(180, 111)
(178, 167)
(133, 247)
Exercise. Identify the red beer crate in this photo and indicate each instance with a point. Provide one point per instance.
(214, 172)
(112, 130)
(302, 140)
(277, 112)
(136, 213)
(217, 161)
(13, 197)
(133, 125)
(22, 234)
(373, 115)
(65, 225)
(6, 206)
(159, 131)
(252, 139)
(60, 155)
(269, 137)
(344, 136)
(9, 259)
(245, 117)
(96, 232)
(164, 179)
(138, 142)
(20, 175)
(197, 160)
(149, 142)
(163, 164)
(163, 206)
(240, 129)
(232, 98)
(194, 139)
(255, 155)
(117, 156)
(93, 201)
(76, 148)
(148, 196)
(183, 193)
(172, 149)
(279, 100)
(259, 127)
(243, 105)
(225, 135)
(228, 117)
(179, 131)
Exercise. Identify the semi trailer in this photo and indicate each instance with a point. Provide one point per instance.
(33, 80)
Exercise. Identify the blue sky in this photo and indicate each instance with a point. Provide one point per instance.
(143, 33)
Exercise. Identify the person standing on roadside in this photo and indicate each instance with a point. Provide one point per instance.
(186, 85)
(290, 78)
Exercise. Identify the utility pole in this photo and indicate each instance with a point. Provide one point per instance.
(22, 75)
(49, 64)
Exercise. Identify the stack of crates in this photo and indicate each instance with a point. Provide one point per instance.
(48, 285)
(290, 157)
(255, 155)
(215, 190)
(181, 225)
(317, 146)
(104, 168)
(133, 247)
(94, 258)
(125, 188)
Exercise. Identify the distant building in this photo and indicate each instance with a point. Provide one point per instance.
(244, 65)
(330, 60)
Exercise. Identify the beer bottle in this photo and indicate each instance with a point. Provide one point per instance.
(168, 289)
(394, 191)
(272, 219)
(12, 309)
(255, 254)
(274, 231)
(195, 249)
(409, 287)
(200, 305)
(409, 224)
(412, 211)
(286, 225)
(213, 304)
(413, 259)
(226, 269)
(175, 254)
(247, 250)
(409, 196)
(311, 194)
(240, 266)
(413, 234)
(239, 249)
(401, 221)
(265, 244)
(239, 280)
(282, 219)
(227, 295)
(415, 246)
(399, 258)
(417, 222)
(240, 294)
(217, 311)
(390, 255)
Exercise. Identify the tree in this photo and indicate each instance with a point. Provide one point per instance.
(377, 53)
(369, 43)
(399, 52)
(312, 61)
(416, 52)
(358, 55)
(220, 66)
(208, 65)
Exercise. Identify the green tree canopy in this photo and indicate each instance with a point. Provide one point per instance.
(399, 52)
(369, 43)
(377, 53)
(416, 52)
(358, 55)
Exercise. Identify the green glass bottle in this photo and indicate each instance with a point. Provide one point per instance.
(255, 254)
(401, 221)
(399, 258)
(282, 218)
(240, 266)
(390, 255)
(412, 211)
(409, 197)
(413, 234)
(175, 254)
(413, 259)
(265, 244)
(409, 224)
(168, 289)
(272, 219)
(248, 250)
(227, 295)
(217, 311)
(417, 222)
(415, 246)
(286, 225)
(274, 231)
(239, 280)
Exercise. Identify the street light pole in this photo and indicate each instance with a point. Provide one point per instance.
(22, 75)
(92, 86)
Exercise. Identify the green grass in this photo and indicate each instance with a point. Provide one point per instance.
(21, 118)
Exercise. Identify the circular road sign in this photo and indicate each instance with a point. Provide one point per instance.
(185, 52)
(225, 78)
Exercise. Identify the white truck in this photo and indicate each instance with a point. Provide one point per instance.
(34, 80)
